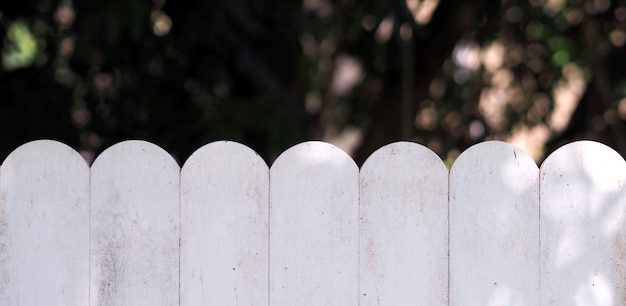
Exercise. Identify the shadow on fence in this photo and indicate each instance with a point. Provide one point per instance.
(135, 228)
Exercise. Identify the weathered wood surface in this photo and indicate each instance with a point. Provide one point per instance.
(494, 227)
(134, 226)
(314, 193)
(583, 226)
(403, 228)
(44, 226)
(312, 229)
(224, 227)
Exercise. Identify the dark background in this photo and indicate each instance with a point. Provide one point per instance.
(273, 73)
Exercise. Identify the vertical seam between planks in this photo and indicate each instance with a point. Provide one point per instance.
(89, 255)
(539, 233)
(358, 239)
(269, 226)
(180, 230)
(448, 221)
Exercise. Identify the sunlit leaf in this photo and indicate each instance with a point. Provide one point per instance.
(21, 49)
(561, 57)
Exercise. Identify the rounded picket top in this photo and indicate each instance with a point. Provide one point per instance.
(586, 156)
(314, 203)
(404, 195)
(494, 226)
(314, 153)
(135, 222)
(224, 198)
(222, 149)
(583, 216)
(44, 226)
(403, 152)
(38, 151)
(121, 150)
(497, 152)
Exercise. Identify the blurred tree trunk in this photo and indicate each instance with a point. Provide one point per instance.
(596, 115)
(431, 45)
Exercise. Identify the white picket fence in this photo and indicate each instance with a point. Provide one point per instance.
(314, 229)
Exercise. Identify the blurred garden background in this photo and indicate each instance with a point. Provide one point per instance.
(273, 73)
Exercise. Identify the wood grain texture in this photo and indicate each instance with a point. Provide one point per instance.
(44, 226)
(583, 226)
(314, 192)
(312, 229)
(224, 226)
(134, 226)
(403, 258)
(494, 227)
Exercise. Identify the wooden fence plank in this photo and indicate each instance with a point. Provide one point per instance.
(134, 226)
(312, 230)
(44, 226)
(224, 226)
(494, 227)
(403, 227)
(583, 226)
(314, 196)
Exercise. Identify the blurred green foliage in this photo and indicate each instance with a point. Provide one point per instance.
(21, 47)
(270, 74)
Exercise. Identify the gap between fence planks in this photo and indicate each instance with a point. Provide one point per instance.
(313, 229)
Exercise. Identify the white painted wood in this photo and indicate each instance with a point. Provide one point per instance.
(224, 226)
(583, 226)
(403, 258)
(494, 227)
(44, 226)
(129, 255)
(314, 196)
(134, 226)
